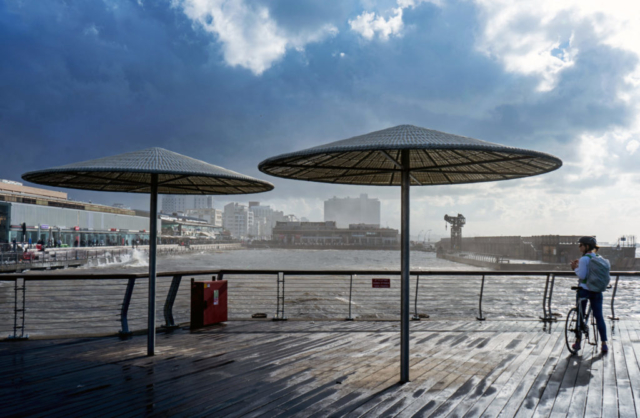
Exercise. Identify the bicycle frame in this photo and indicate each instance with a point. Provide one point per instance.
(577, 324)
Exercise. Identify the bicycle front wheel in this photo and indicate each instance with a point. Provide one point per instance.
(571, 330)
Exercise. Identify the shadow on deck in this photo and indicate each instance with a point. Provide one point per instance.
(253, 368)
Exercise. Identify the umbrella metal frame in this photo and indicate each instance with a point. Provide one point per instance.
(402, 155)
(153, 171)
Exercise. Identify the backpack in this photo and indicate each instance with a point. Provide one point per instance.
(598, 275)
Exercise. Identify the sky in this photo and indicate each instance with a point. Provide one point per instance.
(235, 82)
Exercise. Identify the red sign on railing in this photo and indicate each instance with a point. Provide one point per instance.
(381, 283)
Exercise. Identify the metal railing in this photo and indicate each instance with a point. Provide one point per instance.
(85, 304)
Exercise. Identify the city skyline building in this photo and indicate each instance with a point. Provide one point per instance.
(212, 215)
(182, 203)
(349, 210)
(238, 220)
(265, 219)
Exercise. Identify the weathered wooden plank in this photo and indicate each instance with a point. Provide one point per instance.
(251, 368)
(625, 393)
(329, 374)
(542, 353)
(316, 373)
(146, 362)
(578, 401)
(610, 390)
(483, 386)
(502, 397)
(230, 383)
(593, 407)
(160, 373)
(462, 365)
(546, 401)
(431, 362)
(447, 386)
(563, 398)
(416, 362)
(492, 391)
(632, 355)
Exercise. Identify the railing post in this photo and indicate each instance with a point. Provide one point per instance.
(350, 318)
(415, 316)
(551, 316)
(613, 298)
(480, 317)
(280, 301)
(168, 304)
(544, 318)
(124, 332)
(16, 310)
(277, 315)
(283, 316)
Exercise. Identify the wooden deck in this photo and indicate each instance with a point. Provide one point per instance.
(264, 368)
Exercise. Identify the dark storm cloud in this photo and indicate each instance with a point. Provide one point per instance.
(81, 80)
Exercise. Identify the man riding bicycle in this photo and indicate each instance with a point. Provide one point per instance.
(589, 247)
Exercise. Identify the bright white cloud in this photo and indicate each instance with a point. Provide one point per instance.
(370, 24)
(413, 3)
(538, 38)
(250, 37)
(632, 146)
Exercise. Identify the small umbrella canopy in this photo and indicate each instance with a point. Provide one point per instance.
(153, 171)
(132, 172)
(406, 155)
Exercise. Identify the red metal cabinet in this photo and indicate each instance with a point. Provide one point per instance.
(208, 303)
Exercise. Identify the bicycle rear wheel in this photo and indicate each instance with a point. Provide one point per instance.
(594, 326)
(570, 328)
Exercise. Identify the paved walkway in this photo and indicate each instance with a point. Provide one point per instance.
(295, 368)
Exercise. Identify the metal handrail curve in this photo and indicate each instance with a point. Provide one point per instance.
(219, 274)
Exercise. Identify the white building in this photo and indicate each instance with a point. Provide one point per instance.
(291, 218)
(182, 203)
(264, 219)
(238, 220)
(211, 215)
(348, 210)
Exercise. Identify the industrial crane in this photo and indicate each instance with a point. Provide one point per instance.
(456, 230)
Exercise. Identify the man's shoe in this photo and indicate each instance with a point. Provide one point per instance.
(576, 346)
(605, 349)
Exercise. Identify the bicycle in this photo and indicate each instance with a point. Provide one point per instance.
(573, 332)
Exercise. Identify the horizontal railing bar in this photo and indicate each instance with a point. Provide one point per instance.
(290, 273)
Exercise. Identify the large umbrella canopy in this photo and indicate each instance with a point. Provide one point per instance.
(406, 155)
(435, 158)
(153, 171)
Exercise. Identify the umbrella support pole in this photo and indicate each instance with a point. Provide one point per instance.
(404, 268)
(153, 242)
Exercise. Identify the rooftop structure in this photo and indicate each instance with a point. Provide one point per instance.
(49, 216)
(328, 234)
(350, 210)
